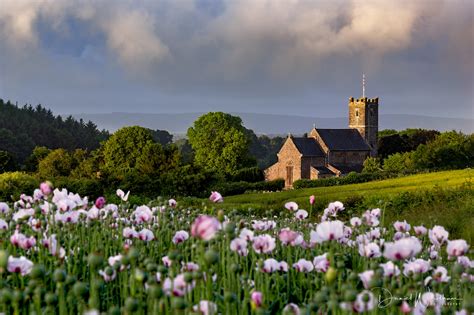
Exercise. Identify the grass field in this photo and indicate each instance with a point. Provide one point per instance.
(381, 189)
(445, 198)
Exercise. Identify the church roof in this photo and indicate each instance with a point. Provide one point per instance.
(322, 170)
(343, 139)
(346, 169)
(308, 146)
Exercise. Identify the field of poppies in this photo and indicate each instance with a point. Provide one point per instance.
(61, 253)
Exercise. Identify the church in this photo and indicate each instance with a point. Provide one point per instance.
(326, 153)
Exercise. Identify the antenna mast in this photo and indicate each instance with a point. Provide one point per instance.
(363, 85)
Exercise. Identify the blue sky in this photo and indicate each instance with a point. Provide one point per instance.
(266, 56)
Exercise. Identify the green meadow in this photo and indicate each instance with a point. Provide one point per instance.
(445, 198)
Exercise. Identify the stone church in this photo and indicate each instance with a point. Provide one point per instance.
(330, 152)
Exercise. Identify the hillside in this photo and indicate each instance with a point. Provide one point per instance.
(445, 198)
(381, 188)
(273, 124)
(24, 128)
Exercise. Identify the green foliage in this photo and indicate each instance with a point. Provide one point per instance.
(371, 165)
(125, 147)
(398, 162)
(351, 178)
(185, 151)
(162, 137)
(391, 142)
(265, 149)
(22, 129)
(248, 174)
(220, 142)
(236, 188)
(378, 189)
(450, 150)
(187, 181)
(84, 186)
(39, 153)
(7, 162)
(13, 184)
(386, 132)
(133, 150)
(57, 163)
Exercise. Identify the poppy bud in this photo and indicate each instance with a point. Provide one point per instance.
(178, 303)
(211, 257)
(3, 260)
(220, 215)
(131, 305)
(37, 272)
(95, 260)
(114, 310)
(140, 276)
(51, 298)
(330, 275)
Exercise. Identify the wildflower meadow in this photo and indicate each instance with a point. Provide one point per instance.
(62, 253)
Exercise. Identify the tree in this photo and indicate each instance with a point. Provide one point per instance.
(398, 162)
(450, 150)
(220, 142)
(163, 137)
(7, 162)
(39, 153)
(185, 150)
(123, 149)
(133, 149)
(371, 165)
(57, 163)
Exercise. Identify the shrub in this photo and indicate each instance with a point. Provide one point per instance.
(84, 187)
(13, 184)
(249, 174)
(351, 178)
(237, 188)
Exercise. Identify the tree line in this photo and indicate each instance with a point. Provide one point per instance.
(219, 153)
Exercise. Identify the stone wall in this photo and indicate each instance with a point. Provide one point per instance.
(288, 156)
(347, 157)
(307, 162)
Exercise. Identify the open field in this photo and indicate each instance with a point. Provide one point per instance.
(62, 254)
(383, 188)
(445, 198)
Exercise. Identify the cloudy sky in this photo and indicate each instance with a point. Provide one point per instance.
(263, 56)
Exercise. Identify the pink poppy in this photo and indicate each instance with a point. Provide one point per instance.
(402, 249)
(263, 244)
(457, 248)
(19, 265)
(205, 227)
(180, 237)
(216, 197)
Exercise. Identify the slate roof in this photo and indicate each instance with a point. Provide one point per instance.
(343, 140)
(323, 170)
(346, 169)
(308, 146)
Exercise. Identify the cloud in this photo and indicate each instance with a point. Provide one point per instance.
(130, 36)
(129, 32)
(245, 48)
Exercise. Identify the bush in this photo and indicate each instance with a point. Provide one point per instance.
(249, 174)
(13, 184)
(237, 188)
(92, 188)
(187, 181)
(351, 178)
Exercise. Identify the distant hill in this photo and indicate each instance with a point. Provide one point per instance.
(273, 124)
(23, 128)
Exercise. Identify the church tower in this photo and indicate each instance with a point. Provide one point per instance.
(364, 116)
